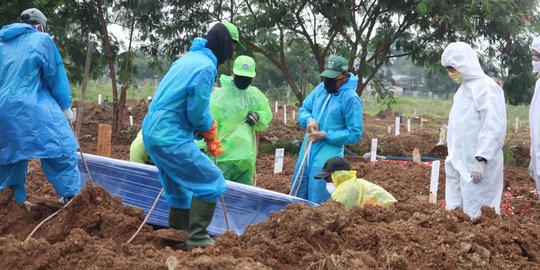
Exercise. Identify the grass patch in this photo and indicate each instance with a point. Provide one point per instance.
(435, 108)
(290, 148)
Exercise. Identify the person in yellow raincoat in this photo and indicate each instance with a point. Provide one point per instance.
(349, 190)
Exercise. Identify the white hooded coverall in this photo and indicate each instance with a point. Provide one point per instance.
(534, 123)
(476, 128)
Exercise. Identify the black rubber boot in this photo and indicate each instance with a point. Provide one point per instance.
(200, 216)
(179, 219)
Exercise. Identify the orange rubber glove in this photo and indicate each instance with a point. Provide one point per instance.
(210, 134)
(214, 148)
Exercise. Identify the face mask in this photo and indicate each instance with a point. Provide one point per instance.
(455, 76)
(330, 85)
(242, 82)
(536, 66)
(330, 187)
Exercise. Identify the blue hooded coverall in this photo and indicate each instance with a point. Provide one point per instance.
(340, 116)
(180, 108)
(34, 89)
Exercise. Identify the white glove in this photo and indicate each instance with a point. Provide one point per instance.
(531, 171)
(69, 115)
(316, 136)
(477, 171)
(312, 126)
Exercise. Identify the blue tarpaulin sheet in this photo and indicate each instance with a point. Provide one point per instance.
(138, 185)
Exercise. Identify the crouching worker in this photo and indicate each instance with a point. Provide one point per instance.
(345, 188)
(137, 152)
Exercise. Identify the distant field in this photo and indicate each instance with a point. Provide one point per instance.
(433, 108)
(105, 90)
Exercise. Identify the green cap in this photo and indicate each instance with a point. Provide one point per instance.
(244, 66)
(335, 66)
(233, 30)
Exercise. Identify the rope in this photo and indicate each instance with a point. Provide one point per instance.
(301, 171)
(58, 211)
(81, 152)
(147, 216)
(223, 203)
(45, 220)
(231, 131)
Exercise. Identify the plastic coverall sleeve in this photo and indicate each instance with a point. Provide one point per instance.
(352, 191)
(493, 115)
(55, 75)
(353, 121)
(304, 113)
(137, 152)
(198, 101)
(264, 111)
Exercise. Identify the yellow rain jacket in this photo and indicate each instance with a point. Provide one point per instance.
(352, 191)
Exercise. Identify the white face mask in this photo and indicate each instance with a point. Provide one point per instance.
(330, 187)
(536, 66)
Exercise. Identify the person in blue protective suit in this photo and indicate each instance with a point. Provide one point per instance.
(332, 117)
(179, 113)
(35, 100)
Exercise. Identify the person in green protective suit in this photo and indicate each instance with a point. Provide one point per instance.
(240, 110)
(350, 191)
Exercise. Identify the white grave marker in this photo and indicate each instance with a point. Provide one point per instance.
(130, 120)
(293, 115)
(99, 99)
(408, 125)
(434, 184)
(396, 132)
(389, 129)
(373, 156)
(278, 161)
(275, 107)
(516, 125)
(285, 114)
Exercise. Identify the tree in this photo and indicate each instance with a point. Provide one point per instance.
(370, 32)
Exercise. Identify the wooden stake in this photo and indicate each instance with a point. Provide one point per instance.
(416, 155)
(104, 140)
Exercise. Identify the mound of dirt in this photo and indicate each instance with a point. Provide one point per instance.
(330, 237)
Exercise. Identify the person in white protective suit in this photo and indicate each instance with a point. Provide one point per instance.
(534, 117)
(476, 132)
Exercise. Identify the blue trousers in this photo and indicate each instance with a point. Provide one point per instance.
(185, 172)
(62, 173)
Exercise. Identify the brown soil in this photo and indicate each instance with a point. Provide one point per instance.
(90, 233)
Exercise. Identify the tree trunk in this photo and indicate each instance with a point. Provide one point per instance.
(117, 123)
(125, 78)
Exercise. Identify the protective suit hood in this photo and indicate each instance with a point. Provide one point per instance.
(338, 177)
(463, 58)
(14, 30)
(536, 44)
(351, 83)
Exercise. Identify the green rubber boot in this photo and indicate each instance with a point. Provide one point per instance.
(179, 219)
(200, 216)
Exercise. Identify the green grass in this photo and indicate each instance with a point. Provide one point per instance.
(105, 90)
(436, 108)
(432, 108)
